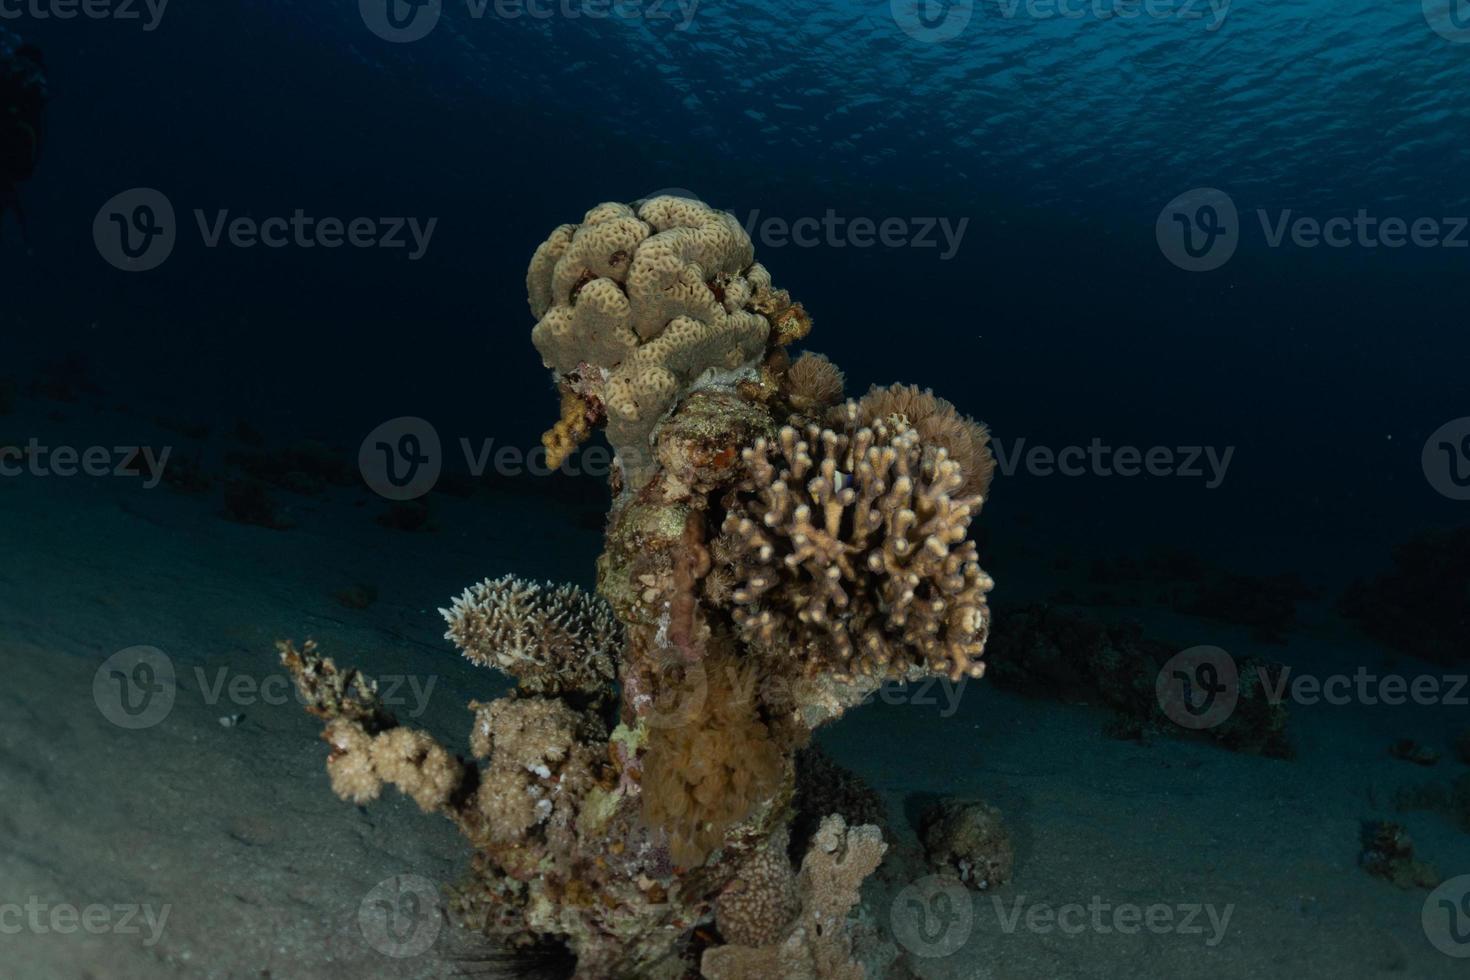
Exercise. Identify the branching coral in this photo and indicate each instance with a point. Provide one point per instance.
(550, 638)
(850, 551)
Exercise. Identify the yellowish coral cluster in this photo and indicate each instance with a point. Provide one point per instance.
(640, 302)
(773, 555)
(850, 550)
(541, 755)
(709, 769)
(550, 638)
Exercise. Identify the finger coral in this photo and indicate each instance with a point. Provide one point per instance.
(550, 638)
(850, 552)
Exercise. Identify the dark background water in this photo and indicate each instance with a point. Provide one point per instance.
(1058, 319)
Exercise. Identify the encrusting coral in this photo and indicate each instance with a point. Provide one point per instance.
(817, 946)
(773, 554)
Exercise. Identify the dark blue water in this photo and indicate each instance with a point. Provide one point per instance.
(1056, 138)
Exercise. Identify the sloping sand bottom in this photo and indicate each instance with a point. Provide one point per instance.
(192, 848)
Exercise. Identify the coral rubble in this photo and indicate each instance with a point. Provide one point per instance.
(1388, 853)
(773, 554)
(1419, 607)
(1048, 652)
(967, 838)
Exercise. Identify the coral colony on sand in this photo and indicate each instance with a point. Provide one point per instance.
(773, 554)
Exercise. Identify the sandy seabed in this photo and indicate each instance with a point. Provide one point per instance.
(196, 847)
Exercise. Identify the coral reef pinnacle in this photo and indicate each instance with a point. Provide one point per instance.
(773, 554)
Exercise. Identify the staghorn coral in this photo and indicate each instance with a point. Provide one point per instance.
(850, 551)
(640, 783)
(940, 425)
(817, 947)
(550, 638)
(637, 303)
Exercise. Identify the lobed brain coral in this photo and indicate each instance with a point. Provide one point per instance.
(849, 550)
(636, 303)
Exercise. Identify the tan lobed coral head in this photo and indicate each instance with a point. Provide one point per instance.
(849, 550)
(551, 638)
(640, 302)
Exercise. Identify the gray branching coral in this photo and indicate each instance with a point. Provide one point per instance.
(850, 551)
(549, 637)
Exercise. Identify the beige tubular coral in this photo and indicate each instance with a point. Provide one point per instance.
(850, 552)
(637, 303)
(772, 556)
